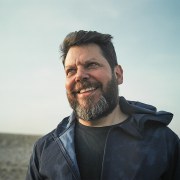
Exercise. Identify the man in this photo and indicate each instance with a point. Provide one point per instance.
(106, 137)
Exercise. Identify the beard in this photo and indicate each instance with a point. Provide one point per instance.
(90, 111)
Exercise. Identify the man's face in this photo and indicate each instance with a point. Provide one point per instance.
(92, 87)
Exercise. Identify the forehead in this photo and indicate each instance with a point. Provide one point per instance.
(81, 54)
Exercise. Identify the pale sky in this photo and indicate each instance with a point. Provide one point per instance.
(146, 39)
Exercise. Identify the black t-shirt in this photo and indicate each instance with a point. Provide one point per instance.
(89, 146)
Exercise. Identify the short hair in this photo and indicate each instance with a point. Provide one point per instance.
(79, 38)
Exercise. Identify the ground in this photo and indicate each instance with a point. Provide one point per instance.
(15, 151)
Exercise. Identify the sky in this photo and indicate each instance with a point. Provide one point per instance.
(32, 93)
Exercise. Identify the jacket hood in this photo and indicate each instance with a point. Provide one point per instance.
(144, 113)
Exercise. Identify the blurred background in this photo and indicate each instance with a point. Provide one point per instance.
(32, 94)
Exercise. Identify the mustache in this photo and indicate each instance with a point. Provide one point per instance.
(83, 85)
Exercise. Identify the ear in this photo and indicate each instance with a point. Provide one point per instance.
(118, 72)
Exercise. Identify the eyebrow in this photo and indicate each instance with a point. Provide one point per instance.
(69, 67)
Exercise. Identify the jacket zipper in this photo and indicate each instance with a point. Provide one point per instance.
(75, 175)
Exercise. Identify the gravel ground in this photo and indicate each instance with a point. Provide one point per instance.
(15, 151)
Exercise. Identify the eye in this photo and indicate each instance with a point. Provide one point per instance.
(92, 65)
(70, 71)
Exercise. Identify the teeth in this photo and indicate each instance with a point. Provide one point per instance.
(87, 89)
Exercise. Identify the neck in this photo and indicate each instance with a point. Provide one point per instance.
(115, 117)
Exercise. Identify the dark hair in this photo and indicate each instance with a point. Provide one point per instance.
(81, 37)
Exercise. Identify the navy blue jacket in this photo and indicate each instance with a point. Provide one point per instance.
(140, 148)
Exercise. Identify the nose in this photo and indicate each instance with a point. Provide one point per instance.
(81, 74)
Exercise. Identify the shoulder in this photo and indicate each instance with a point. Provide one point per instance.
(156, 127)
(42, 144)
(49, 139)
(161, 134)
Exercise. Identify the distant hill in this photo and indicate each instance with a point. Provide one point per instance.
(15, 151)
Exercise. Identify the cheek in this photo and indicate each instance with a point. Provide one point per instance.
(104, 77)
(106, 82)
(68, 85)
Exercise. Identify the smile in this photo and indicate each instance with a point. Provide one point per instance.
(86, 90)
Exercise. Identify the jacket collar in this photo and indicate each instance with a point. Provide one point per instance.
(139, 114)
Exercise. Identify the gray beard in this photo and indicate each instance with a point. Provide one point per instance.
(90, 111)
(95, 112)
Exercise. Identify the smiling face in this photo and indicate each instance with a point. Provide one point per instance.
(91, 85)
